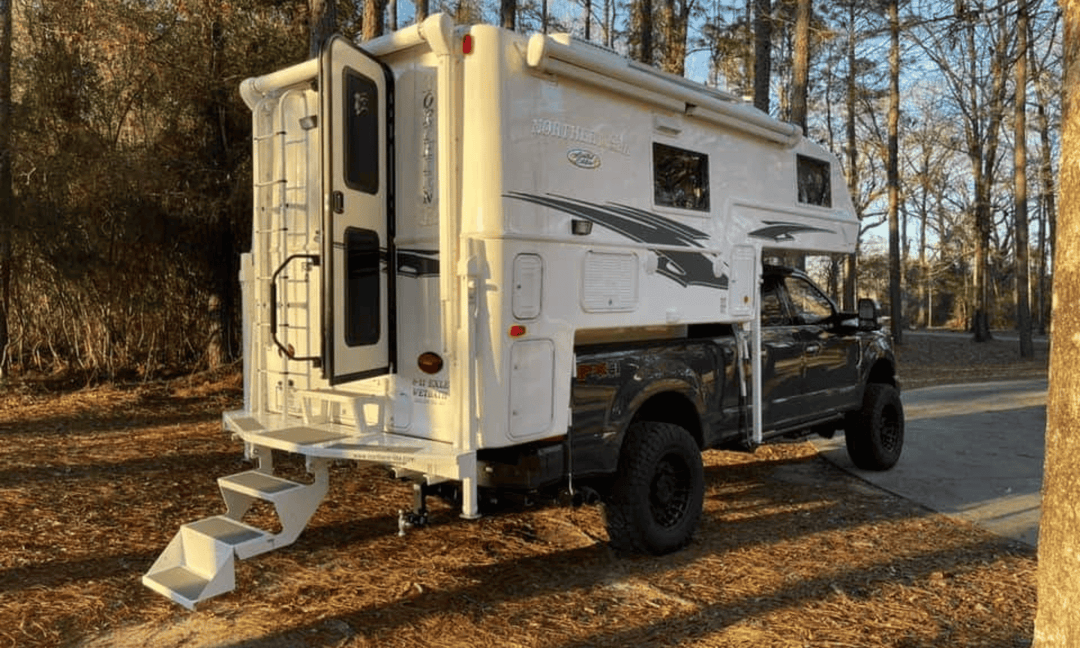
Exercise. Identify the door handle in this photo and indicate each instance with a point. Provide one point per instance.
(813, 348)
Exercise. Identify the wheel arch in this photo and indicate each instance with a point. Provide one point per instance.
(883, 371)
(671, 406)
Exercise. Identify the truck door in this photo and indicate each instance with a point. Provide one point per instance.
(781, 361)
(831, 372)
(358, 316)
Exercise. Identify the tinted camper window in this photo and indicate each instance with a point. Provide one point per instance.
(361, 287)
(362, 144)
(814, 182)
(680, 178)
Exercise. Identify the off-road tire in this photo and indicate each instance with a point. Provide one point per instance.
(655, 501)
(875, 434)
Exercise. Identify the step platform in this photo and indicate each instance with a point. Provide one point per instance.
(199, 562)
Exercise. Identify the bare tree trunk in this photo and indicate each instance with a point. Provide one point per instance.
(801, 72)
(852, 154)
(323, 24)
(674, 21)
(893, 172)
(762, 53)
(7, 198)
(983, 167)
(925, 309)
(1059, 526)
(643, 18)
(391, 14)
(374, 25)
(588, 19)
(609, 22)
(1047, 199)
(1023, 310)
(508, 14)
(421, 11)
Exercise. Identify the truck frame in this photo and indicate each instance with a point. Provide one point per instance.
(459, 231)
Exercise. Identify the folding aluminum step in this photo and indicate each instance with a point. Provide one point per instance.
(199, 562)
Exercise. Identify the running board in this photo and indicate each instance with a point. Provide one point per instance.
(199, 563)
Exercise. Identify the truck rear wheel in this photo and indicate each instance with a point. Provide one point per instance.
(875, 434)
(655, 501)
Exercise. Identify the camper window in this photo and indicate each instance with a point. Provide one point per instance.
(680, 178)
(814, 182)
(361, 287)
(361, 111)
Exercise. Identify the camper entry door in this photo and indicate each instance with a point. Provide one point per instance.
(358, 222)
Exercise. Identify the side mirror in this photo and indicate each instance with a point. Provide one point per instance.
(868, 315)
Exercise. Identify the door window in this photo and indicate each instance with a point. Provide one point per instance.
(361, 286)
(811, 307)
(772, 309)
(362, 143)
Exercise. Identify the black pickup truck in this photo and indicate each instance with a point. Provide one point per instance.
(644, 411)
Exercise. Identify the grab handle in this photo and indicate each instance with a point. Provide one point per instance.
(288, 351)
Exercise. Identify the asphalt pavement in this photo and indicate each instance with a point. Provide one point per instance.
(972, 451)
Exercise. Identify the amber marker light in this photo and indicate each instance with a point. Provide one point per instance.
(430, 363)
(517, 330)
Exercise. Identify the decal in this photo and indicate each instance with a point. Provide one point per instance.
(430, 390)
(782, 231)
(597, 370)
(427, 150)
(572, 133)
(689, 268)
(583, 159)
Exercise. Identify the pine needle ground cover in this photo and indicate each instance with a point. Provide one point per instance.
(791, 552)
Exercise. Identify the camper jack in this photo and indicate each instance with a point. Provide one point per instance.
(498, 262)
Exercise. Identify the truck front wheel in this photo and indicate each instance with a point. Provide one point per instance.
(875, 434)
(655, 501)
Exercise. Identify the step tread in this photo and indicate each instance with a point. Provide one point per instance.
(178, 581)
(304, 435)
(226, 530)
(258, 483)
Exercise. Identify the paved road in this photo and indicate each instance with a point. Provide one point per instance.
(971, 451)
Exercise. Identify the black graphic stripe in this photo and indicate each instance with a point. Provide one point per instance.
(685, 268)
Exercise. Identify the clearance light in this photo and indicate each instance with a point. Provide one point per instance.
(466, 44)
(517, 330)
(430, 363)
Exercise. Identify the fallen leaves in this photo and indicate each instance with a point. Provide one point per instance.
(792, 552)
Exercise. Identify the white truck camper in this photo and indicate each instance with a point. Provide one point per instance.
(442, 217)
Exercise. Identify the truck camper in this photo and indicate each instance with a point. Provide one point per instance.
(491, 261)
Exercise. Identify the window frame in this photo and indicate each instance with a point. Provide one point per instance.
(813, 181)
(699, 177)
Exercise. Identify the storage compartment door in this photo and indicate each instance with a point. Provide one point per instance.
(358, 222)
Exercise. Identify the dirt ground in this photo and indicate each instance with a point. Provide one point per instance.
(792, 552)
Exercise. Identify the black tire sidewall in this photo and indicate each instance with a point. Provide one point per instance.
(630, 519)
(864, 433)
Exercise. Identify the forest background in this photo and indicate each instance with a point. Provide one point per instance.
(125, 153)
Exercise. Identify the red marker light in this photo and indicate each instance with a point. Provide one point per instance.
(517, 330)
(466, 44)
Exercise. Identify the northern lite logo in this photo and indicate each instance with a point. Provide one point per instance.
(583, 159)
